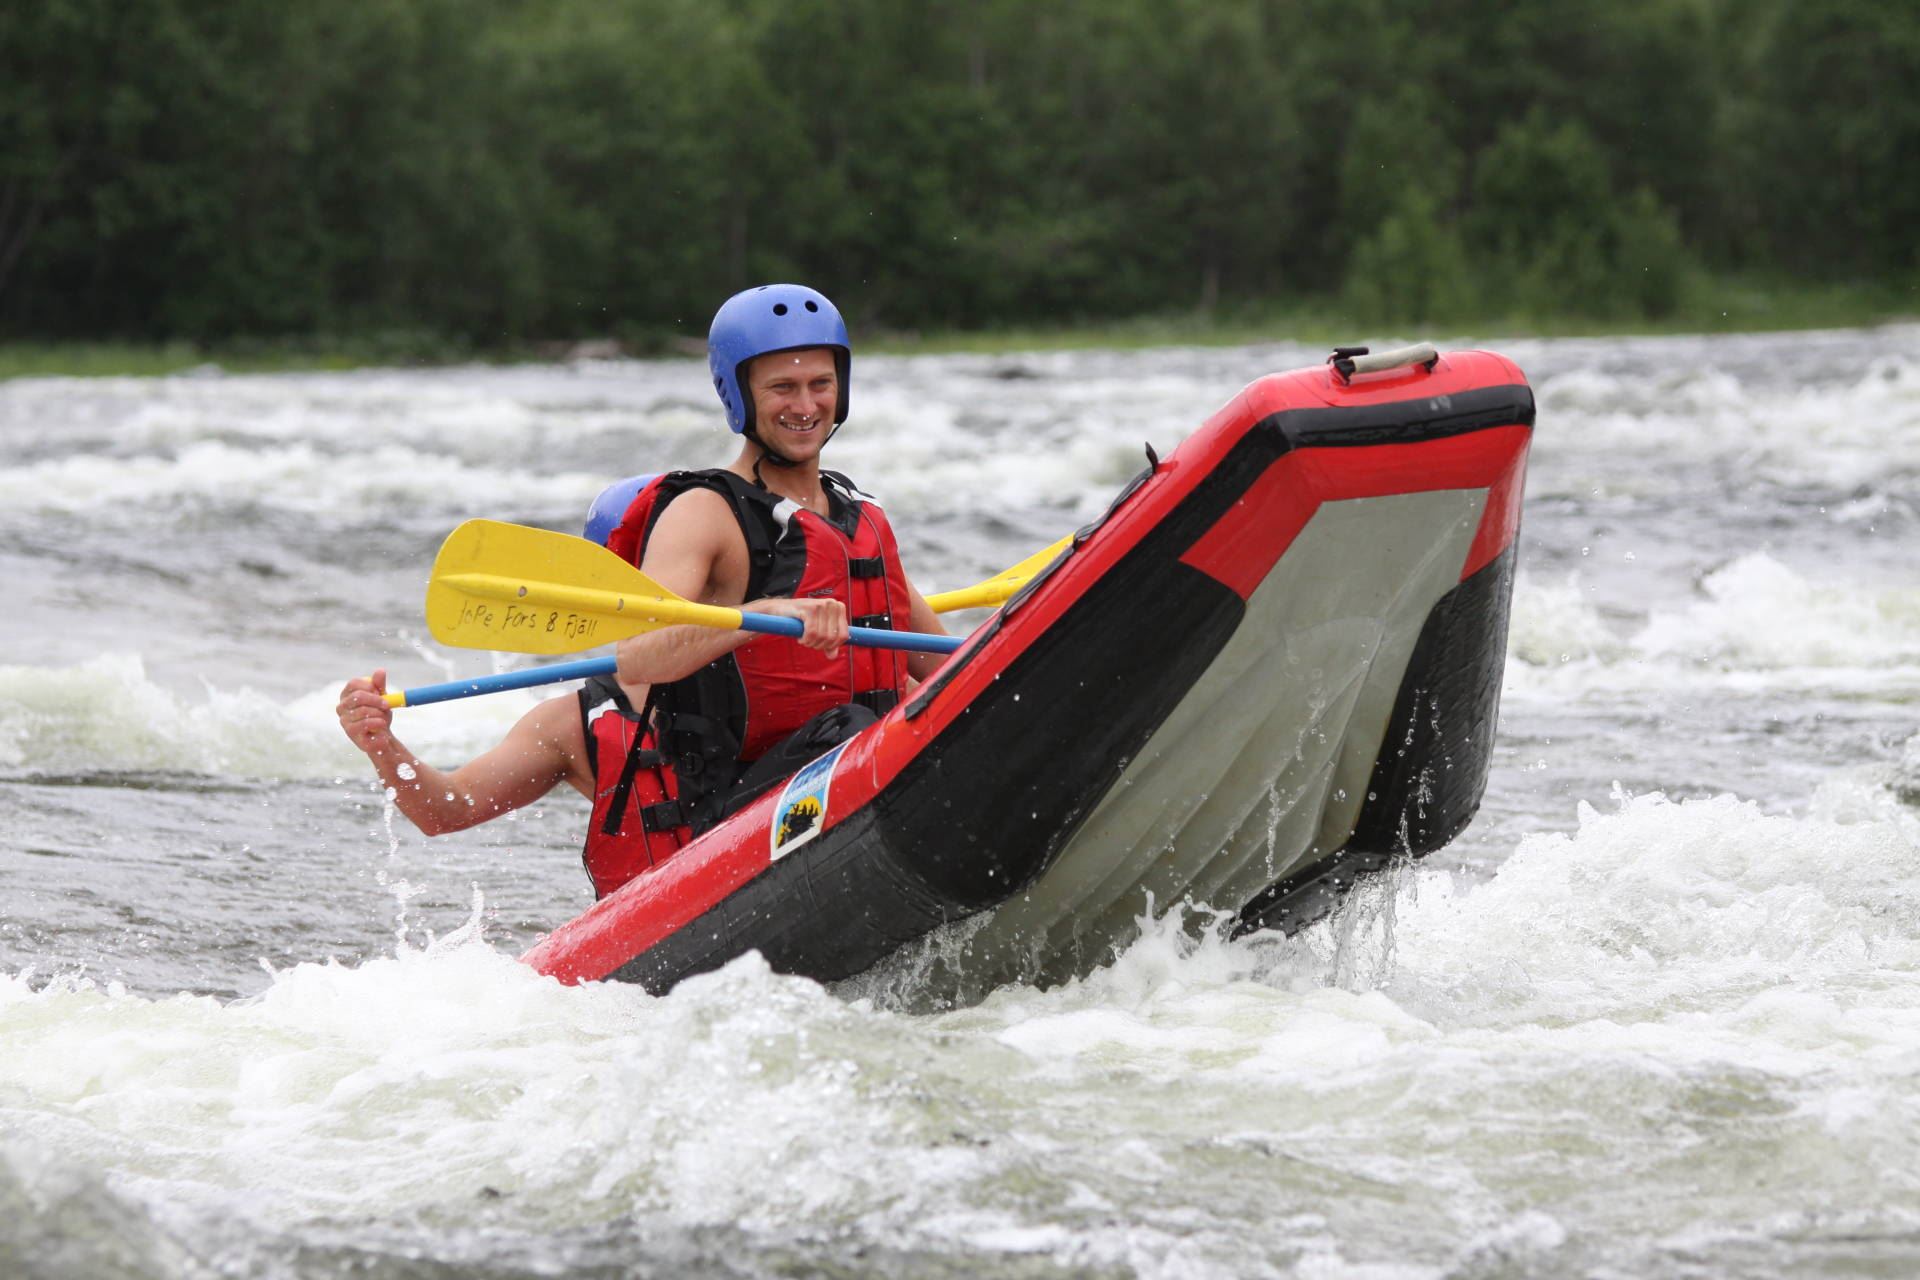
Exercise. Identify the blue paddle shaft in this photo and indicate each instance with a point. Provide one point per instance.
(587, 668)
(867, 637)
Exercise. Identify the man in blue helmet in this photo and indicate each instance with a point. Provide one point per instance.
(702, 720)
(773, 532)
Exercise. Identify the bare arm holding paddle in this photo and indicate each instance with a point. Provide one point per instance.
(543, 749)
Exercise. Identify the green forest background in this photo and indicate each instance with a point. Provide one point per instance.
(486, 174)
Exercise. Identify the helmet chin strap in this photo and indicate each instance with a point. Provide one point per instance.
(769, 454)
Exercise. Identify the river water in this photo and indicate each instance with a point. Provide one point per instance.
(1657, 1013)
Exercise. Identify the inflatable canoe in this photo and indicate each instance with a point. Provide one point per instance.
(1272, 665)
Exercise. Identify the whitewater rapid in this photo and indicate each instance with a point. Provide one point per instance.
(1657, 1013)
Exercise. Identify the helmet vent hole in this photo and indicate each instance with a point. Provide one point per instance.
(779, 308)
(812, 306)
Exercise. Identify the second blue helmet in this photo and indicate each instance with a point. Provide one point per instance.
(608, 509)
(760, 321)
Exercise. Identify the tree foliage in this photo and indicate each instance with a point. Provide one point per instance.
(502, 170)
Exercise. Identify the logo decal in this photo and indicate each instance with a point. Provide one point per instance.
(803, 804)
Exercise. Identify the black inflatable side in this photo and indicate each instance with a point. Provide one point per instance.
(1432, 768)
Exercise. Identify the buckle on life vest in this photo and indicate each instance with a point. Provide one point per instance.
(867, 567)
(637, 759)
(664, 816)
(876, 621)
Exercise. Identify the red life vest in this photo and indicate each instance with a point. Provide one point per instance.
(730, 712)
(638, 821)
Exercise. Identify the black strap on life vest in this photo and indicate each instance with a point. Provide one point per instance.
(637, 759)
(752, 510)
(704, 749)
(664, 816)
(654, 818)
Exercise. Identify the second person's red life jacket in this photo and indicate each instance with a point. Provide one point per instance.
(638, 820)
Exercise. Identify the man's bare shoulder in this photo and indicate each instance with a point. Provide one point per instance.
(690, 514)
(697, 549)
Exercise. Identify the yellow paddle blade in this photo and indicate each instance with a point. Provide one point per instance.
(1000, 586)
(506, 586)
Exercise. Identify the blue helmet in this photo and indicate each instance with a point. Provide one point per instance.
(757, 322)
(603, 517)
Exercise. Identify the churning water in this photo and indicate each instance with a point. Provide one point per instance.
(1657, 1013)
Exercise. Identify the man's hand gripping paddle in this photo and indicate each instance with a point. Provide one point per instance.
(509, 587)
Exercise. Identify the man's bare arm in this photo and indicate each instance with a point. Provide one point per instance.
(544, 747)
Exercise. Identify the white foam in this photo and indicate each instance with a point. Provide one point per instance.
(1695, 931)
(1677, 915)
(421, 1078)
(1600, 423)
(1756, 628)
(1757, 612)
(1556, 623)
(1662, 952)
(299, 478)
(105, 715)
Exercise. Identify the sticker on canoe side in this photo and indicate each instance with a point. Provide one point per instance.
(803, 804)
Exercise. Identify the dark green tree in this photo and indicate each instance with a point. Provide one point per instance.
(1834, 139)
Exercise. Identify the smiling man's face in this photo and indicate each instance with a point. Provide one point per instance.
(794, 396)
